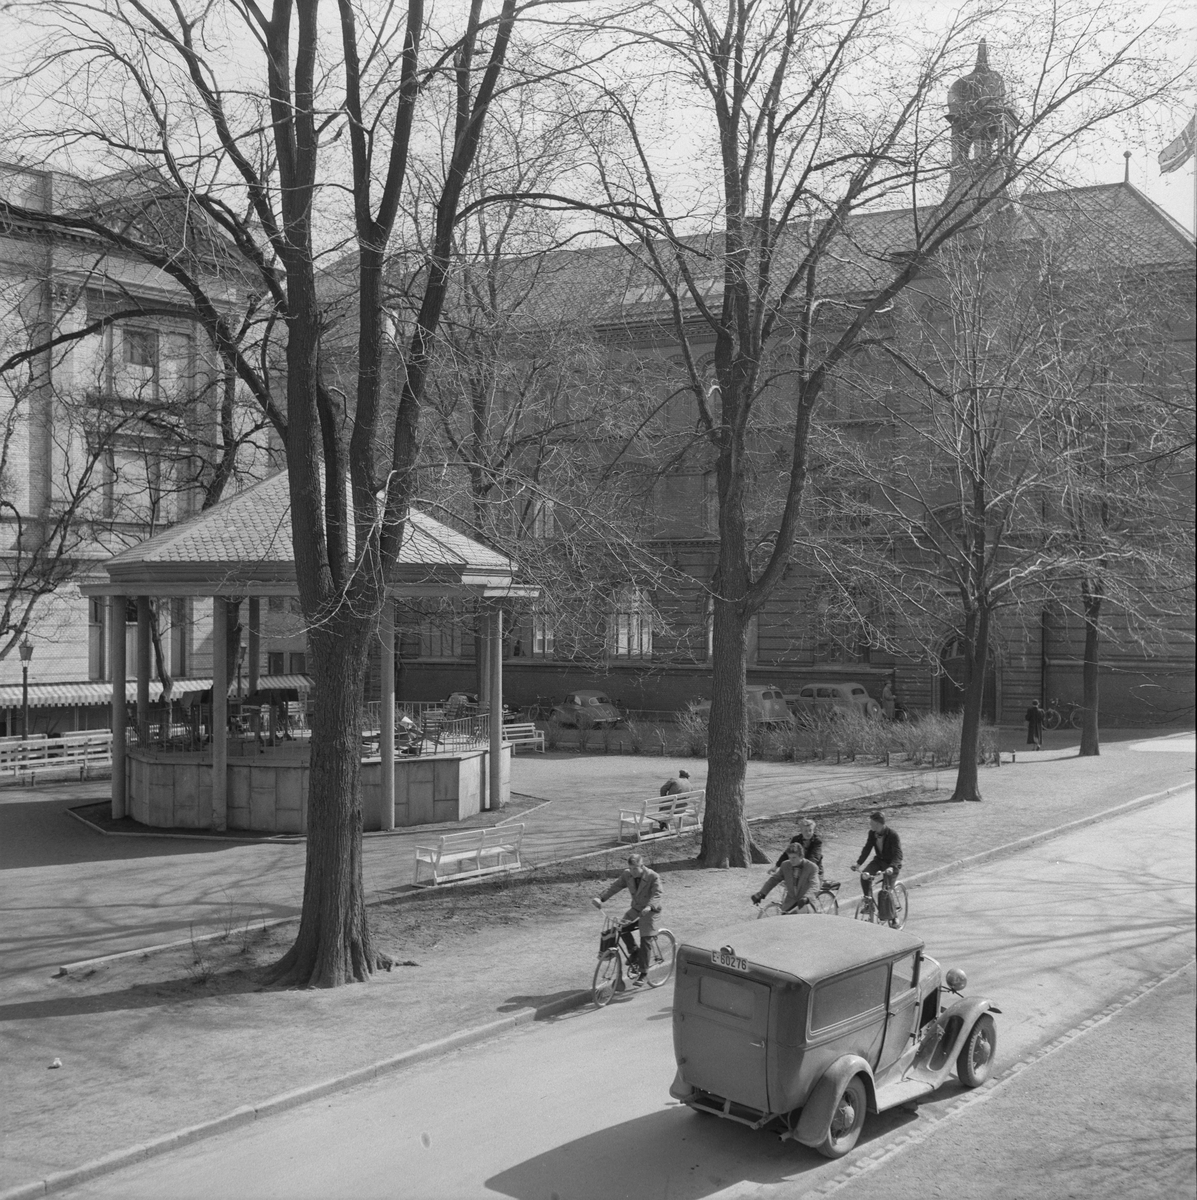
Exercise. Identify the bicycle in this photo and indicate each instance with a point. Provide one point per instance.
(1058, 712)
(869, 908)
(824, 901)
(613, 961)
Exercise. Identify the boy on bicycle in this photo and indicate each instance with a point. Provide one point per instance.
(886, 847)
(644, 886)
(799, 873)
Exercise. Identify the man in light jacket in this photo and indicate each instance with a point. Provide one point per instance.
(644, 887)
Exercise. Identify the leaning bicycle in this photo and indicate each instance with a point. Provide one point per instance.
(1059, 711)
(886, 904)
(614, 965)
(823, 901)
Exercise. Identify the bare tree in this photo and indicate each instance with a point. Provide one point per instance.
(803, 120)
(314, 162)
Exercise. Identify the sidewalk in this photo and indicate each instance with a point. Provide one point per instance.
(141, 1059)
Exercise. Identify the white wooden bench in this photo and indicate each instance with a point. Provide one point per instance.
(662, 816)
(524, 734)
(470, 853)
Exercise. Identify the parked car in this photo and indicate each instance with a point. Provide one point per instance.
(465, 704)
(804, 1034)
(587, 710)
(841, 696)
(765, 703)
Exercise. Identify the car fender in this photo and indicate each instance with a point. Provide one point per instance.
(967, 1012)
(815, 1120)
(680, 1089)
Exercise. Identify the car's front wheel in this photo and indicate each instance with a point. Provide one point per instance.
(847, 1120)
(975, 1062)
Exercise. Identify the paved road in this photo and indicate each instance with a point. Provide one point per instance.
(580, 1108)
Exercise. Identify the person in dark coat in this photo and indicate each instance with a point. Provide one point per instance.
(674, 787)
(810, 843)
(1034, 719)
(886, 848)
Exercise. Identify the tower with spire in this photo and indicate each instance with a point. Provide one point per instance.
(983, 126)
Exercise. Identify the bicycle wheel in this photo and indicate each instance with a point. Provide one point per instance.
(606, 977)
(899, 906)
(826, 902)
(660, 958)
(1076, 718)
(1051, 719)
(772, 909)
(866, 910)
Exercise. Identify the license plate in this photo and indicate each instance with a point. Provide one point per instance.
(721, 958)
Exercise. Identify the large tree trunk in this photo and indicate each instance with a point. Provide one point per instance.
(725, 841)
(334, 945)
(1090, 743)
(968, 785)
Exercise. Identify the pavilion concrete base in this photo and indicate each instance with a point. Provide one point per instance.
(268, 792)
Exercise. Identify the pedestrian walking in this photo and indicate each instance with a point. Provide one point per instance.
(1034, 719)
(887, 700)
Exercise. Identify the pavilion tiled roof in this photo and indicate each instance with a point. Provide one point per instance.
(251, 532)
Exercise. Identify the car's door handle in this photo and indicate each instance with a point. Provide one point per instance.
(758, 1044)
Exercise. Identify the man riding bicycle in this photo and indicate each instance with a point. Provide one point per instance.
(886, 847)
(644, 887)
(811, 843)
(799, 874)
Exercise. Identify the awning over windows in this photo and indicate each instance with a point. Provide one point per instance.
(65, 695)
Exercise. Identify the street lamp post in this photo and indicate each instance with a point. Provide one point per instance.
(26, 651)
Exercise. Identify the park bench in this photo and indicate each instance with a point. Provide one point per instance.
(524, 734)
(662, 816)
(470, 853)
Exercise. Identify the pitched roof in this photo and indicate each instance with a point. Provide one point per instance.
(247, 539)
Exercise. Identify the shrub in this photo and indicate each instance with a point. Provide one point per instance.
(636, 733)
(693, 730)
(552, 735)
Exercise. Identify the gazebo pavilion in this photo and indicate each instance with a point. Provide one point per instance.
(241, 550)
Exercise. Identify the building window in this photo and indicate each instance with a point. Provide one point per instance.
(275, 604)
(275, 663)
(96, 665)
(630, 633)
(139, 347)
(542, 522)
(542, 633)
(299, 664)
(440, 635)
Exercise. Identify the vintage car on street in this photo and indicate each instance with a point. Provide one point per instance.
(765, 704)
(845, 697)
(587, 710)
(802, 1032)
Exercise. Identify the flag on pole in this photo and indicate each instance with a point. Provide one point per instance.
(1178, 151)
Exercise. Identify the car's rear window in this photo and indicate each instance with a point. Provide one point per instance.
(859, 692)
(807, 692)
(824, 693)
(726, 996)
(848, 996)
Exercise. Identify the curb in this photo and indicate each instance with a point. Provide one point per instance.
(246, 1114)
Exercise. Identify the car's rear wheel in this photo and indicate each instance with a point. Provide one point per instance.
(974, 1064)
(847, 1120)
(606, 977)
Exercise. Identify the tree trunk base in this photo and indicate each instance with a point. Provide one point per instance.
(756, 853)
(959, 796)
(299, 970)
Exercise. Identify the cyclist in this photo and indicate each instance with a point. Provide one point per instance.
(886, 847)
(811, 843)
(644, 887)
(797, 872)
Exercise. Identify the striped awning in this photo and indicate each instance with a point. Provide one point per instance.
(65, 695)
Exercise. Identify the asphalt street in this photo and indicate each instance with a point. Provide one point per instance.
(579, 1108)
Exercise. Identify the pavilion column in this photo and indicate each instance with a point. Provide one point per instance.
(255, 639)
(386, 749)
(116, 639)
(494, 791)
(220, 712)
(143, 670)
